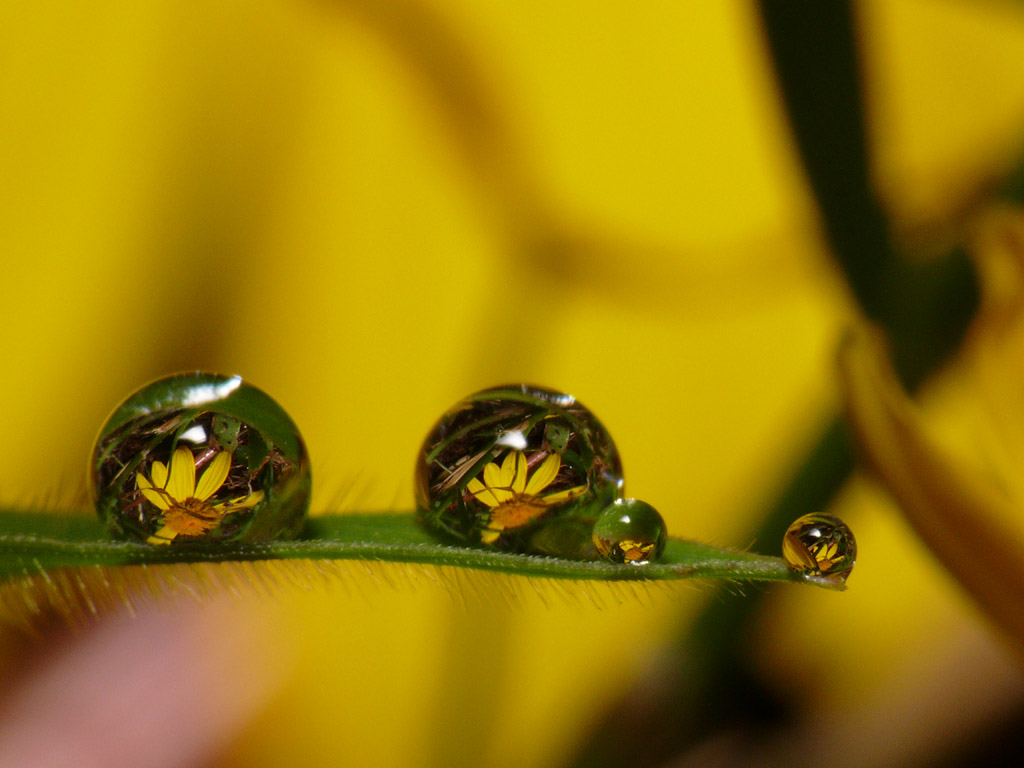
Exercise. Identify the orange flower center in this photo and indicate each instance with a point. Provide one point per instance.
(635, 550)
(191, 517)
(518, 511)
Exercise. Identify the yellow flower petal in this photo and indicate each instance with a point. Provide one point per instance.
(492, 475)
(214, 476)
(997, 342)
(568, 493)
(794, 549)
(163, 536)
(245, 502)
(955, 514)
(481, 493)
(181, 484)
(544, 474)
(521, 471)
(159, 474)
(501, 494)
(508, 470)
(157, 498)
(489, 537)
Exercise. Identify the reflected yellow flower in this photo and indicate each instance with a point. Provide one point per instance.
(184, 502)
(514, 495)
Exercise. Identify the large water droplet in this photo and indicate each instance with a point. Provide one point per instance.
(630, 531)
(820, 545)
(503, 463)
(199, 458)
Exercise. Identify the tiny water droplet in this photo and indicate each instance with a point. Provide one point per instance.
(820, 545)
(503, 463)
(198, 459)
(630, 531)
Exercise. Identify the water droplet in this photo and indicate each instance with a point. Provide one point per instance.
(503, 463)
(820, 545)
(630, 531)
(200, 458)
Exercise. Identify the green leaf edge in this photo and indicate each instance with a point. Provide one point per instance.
(34, 542)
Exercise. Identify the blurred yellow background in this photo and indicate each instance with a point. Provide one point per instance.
(371, 209)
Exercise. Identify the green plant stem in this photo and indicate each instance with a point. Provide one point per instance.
(33, 543)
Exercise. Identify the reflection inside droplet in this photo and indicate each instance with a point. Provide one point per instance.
(207, 393)
(630, 531)
(199, 459)
(513, 439)
(505, 462)
(820, 545)
(196, 434)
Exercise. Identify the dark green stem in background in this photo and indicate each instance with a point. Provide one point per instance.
(925, 305)
(814, 50)
(704, 682)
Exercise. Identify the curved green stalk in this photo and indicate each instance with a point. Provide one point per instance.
(36, 543)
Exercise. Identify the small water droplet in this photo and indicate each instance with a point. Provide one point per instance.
(199, 458)
(820, 545)
(630, 531)
(504, 462)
